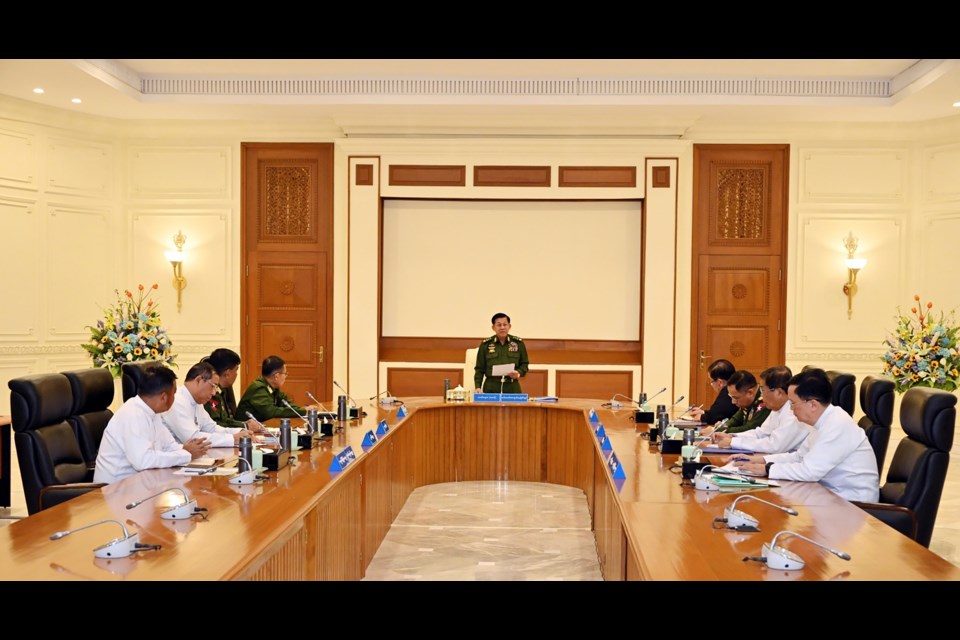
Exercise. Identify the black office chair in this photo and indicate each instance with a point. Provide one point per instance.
(131, 373)
(910, 498)
(93, 391)
(876, 402)
(844, 390)
(51, 466)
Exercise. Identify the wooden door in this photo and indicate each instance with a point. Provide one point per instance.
(739, 259)
(287, 285)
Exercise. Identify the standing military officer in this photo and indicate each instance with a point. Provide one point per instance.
(501, 348)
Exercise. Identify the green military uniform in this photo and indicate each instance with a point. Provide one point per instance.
(749, 418)
(491, 352)
(265, 402)
(222, 413)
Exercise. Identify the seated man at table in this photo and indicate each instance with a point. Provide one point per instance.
(781, 431)
(722, 408)
(836, 454)
(135, 439)
(264, 399)
(751, 411)
(222, 407)
(188, 418)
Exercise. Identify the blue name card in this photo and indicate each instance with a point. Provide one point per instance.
(342, 459)
(382, 428)
(600, 432)
(369, 440)
(613, 463)
(501, 397)
(402, 413)
(593, 416)
(605, 444)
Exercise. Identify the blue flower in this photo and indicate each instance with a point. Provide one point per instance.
(939, 330)
(900, 363)
(922, 365)
(943, 353)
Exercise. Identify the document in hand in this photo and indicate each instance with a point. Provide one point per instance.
(502, 370)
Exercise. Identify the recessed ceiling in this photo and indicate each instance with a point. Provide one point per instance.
(472, 96)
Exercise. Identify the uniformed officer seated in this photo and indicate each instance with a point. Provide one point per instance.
(501, 348)
(264, 399)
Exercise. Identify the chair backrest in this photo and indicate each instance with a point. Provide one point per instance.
(93, 391)
(919, 466)
(876, 402)
(844, 390)
(132, 372)
(47, 448)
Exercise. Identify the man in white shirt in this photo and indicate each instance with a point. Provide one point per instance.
(836, 454)
(135, 439)
(188, 418)
(781, 431)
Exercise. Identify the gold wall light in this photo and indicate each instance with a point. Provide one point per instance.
(176, 259)
(853, 266)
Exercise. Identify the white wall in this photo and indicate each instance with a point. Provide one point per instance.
(88, 205)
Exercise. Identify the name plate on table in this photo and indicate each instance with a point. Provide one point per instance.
(593, 416)
(342, 459)
(500, 397)
(605, 444)
(382, 428)
(613, 463)
(369, 440)
(402, 413)
(600, 432)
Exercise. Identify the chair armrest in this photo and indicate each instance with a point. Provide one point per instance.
(900, 518)
(57, 493)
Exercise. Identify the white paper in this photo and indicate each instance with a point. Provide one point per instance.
(502, 370)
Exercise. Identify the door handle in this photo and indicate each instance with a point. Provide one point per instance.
(320, 353)
(703, 358)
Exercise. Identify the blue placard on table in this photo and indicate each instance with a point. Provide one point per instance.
(600, 432)
(382, 428)
(402, 413)
(593, 416)
(605, 444)
(613, 463)
(501, 397)
(342, 459)
(369, 440)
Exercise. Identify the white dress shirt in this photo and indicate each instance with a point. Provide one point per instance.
(836, 454)
(187, 419)
(135, 440)
(780, 432)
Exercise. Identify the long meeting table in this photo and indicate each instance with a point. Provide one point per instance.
(306, 522)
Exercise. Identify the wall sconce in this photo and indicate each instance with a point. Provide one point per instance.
(853, 266)
(176, 259)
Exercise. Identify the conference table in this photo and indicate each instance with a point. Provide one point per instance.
(309, 522)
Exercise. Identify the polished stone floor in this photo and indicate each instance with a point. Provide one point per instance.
(489, 530)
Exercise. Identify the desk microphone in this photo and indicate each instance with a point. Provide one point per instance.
(743, 521)
(355, 405)
(116, 548)
(287, 405)
(704, 482)
(654, 395)
(388, 400)
(783, 559)
(247, 477)
(675, 404)
(187, 509)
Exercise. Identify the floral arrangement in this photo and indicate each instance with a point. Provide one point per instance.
(129, 332)
(923, 350)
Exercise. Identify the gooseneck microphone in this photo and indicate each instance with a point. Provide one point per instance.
(704, 481)
(116, 548)
(355, 404)
(743, 521)
(675, 404)
(187, 509)
(784, 559)
(287, 405)
(246, 477)
(251, 416)
(656, 394)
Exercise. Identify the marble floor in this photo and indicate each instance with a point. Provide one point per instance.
(489, 530)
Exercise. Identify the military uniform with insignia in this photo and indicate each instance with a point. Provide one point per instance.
(222, 413)
(749, 418)
(491, 352)
(265, 402)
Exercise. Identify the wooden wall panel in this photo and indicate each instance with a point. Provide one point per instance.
(594, 384)
(364, 174)
(501, 176)
(569, 453)
(283, 560)
(598, 176)
(633, 566)
(534, 384)
(416, 382)
(434, 437)
(377, 494)
(339, 540)
(421, 175)
(402, 468)
(607, 528)
(492, 446)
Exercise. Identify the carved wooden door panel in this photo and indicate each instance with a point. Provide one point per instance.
(739, 259)
(288, 264)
